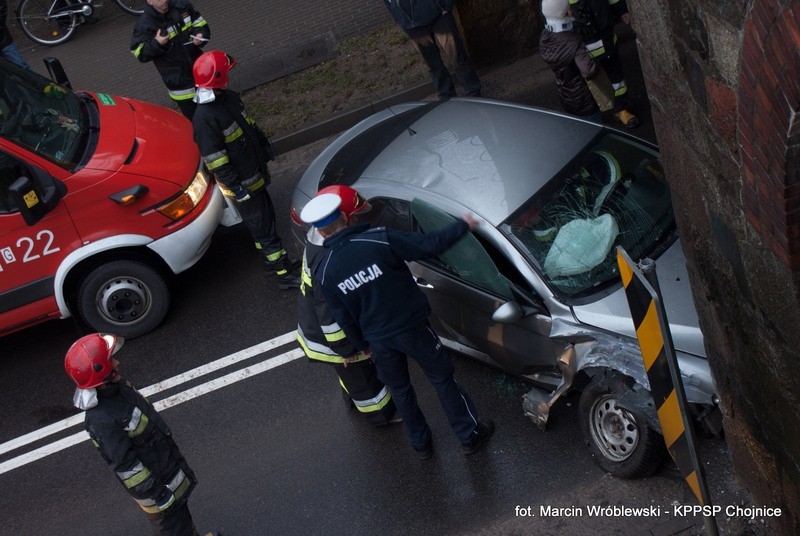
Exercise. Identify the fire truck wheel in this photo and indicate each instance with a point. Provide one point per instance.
(124, 297)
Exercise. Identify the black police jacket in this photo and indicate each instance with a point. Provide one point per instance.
(367, 284)
(174, 60)
(137, 444)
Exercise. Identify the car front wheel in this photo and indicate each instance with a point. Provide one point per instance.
(621, 441)
(124, 297)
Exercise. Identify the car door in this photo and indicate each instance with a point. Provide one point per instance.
(29, 254)
(464, 288)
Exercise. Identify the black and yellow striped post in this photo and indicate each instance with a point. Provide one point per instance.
(666, 386)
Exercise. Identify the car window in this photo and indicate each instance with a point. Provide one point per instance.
(11, 169)
(392, 213)
(41, 116)
(467, 258)
(613, 193)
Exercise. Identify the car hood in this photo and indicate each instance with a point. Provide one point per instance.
(613, 314)
(139, 138)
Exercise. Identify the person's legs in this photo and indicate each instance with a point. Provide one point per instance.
(423, 40)
(392, 368)
(369, 395)
(422, 344)
(612, 64)
(175, 521)
(11, 53)
(455, 55)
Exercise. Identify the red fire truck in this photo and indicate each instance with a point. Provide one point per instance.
(101, 197)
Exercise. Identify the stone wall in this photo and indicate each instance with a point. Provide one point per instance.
(724, 84)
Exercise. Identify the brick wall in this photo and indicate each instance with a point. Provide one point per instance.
(724, 84)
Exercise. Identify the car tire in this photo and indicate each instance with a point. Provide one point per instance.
(124, 297)
(621, 441)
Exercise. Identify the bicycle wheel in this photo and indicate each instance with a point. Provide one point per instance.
(132, 7)
(47, 22)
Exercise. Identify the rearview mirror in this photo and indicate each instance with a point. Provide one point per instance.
(33, 199)
(508, 313)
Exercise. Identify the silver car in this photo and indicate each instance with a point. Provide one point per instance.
(536, 288)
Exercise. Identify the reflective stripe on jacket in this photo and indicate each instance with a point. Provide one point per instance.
(137, 444)
(175, 59)
(229, 150)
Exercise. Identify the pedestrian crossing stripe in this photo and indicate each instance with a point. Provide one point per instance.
(650, 332)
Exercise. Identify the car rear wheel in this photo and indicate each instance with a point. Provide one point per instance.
(621, 441)
(124, 297)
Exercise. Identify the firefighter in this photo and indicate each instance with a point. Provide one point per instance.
(236, 151)
(324, 341)
(131, 436)
(595, 21)
(170, 33)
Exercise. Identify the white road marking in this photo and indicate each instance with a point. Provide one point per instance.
(170, 401)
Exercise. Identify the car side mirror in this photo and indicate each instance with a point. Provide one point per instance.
(34, 202)
(508, 313)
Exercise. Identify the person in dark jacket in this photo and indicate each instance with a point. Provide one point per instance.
(564, 52)
(373, 297)
(595, 21)
(170, 33)
(431, 27)
(131, 436)
(321, 338)
(236, 151)
(8, 50)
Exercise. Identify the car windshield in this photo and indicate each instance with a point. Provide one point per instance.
(41, 116)
(613, 193)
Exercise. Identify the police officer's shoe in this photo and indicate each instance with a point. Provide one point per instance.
(425, 452)
(483, 431)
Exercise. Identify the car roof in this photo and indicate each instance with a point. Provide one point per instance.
(486, 155)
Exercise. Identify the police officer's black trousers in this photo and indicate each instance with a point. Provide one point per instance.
(422, 344)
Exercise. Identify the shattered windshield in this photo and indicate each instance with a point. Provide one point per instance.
(41, 116)
(613, 193)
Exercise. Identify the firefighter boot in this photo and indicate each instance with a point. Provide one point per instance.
(286, 271)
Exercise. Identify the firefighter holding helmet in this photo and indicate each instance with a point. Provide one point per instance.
(131, 436)
(236, 151)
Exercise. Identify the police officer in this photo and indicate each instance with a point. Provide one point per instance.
(236, 151)
(170, 33)
(374, 298)
(131, 436)
(324, 341)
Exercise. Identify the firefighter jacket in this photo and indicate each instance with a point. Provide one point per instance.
(318, 333)
(232, 145)
(411, 14)
(595, 21)
(175, 59)
(566, 54)
(137, 444)
(367, 284)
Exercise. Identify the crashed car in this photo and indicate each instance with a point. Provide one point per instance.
(536, 289)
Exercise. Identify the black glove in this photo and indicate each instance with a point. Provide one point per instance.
(240, 193)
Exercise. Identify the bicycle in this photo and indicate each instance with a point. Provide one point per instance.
(52, 22)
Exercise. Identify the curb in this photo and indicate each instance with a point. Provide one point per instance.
(344, 120)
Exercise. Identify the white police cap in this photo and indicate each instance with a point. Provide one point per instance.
(322, 210)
